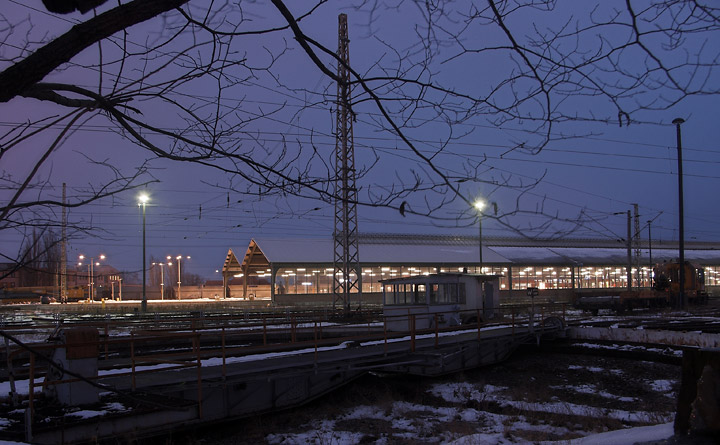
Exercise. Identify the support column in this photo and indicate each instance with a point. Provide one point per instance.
(510, 282)
(273, 274)
(225, 284)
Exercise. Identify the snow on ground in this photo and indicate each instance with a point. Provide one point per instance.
(635, 348)
(459, 392)
(403, 417)
(422, 423)
(593, 389)
(627, 436)
(663, 386)
(108, 408)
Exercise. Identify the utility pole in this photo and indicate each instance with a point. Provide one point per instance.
(650, 246)
(346, 259)
(629, 251)
(628, 242)
(681, 223)
(63, 251)
(636, 243)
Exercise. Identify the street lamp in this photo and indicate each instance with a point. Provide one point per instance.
(650, 249)
(178, 258)
(479, 206)
(143, 199)
(678, 121)
(91, 274)
(162, 278)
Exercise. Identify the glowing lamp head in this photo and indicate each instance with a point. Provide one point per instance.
(143, 199)
(480, 205)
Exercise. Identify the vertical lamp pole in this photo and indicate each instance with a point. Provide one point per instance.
(178, 258)
(92, 280)
(82, 257)
(629, 251)
(479, 206)
(143, 201)
(650, 249)
(162, 282)
(678, 121)
(162, 278)
(91, 275)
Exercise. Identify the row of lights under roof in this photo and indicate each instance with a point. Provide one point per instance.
(393, 272)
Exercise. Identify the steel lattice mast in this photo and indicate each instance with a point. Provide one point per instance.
(347, 274)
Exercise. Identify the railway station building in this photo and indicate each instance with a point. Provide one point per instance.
(301, 270)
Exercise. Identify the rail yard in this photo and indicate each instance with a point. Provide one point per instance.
(151, 373)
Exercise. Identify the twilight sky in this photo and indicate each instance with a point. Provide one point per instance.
(275, 101)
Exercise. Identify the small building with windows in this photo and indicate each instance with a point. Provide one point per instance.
(300, 271)
(439, 300)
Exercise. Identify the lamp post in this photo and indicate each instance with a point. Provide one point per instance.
(162, 278)
(681, 225)
(91, 274)
(143, 199)
(650, 249)
(82, 257)
(479, 206)
(178, 258)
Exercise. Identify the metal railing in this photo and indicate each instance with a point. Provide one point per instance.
(127, 351)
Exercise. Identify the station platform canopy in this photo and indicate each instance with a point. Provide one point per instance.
(297, 265)
(438, 250)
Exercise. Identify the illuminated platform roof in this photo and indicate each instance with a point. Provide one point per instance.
(387, 249)
(320, 251)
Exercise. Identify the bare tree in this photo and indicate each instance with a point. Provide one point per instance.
(181, 81)
(39, 264)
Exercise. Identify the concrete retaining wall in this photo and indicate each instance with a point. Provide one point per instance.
(699, 339)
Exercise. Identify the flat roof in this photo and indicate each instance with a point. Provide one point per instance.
(320, 251)
(381, 249)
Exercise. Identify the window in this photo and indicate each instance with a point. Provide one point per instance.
(444, 293)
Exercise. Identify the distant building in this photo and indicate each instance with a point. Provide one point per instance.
(277, 268)
(77, 278)
(8, 276)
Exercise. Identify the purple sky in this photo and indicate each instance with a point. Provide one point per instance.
(604, 171)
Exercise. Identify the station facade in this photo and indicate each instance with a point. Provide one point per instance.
(278, 268)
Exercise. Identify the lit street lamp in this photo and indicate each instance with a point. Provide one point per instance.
(91, 274)
(178, 258)
(162, 278)
(143, 198)
(479, 206)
